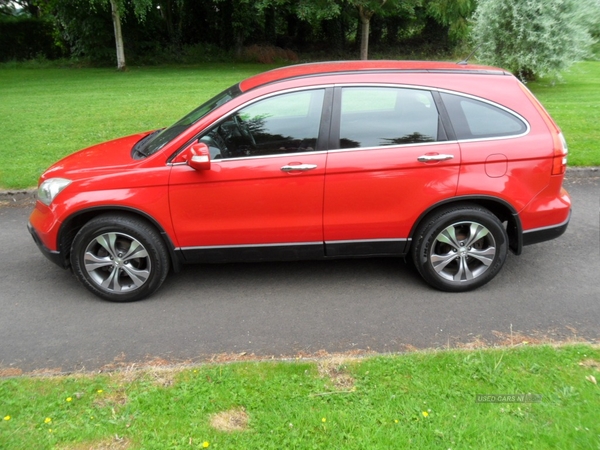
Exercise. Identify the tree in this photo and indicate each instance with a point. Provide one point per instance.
(368, 8)
(454, 14)
(536, 37)
(82, 19)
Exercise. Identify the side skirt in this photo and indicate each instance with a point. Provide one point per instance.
(293, 251)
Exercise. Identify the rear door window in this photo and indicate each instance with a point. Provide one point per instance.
(384, 116)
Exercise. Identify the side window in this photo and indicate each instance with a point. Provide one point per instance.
(474, 119)
(286, 123)
(382, 116)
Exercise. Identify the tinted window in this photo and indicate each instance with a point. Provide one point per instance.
(286, 123)
(473, 119)
(376, 117)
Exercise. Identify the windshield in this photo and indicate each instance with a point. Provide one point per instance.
(157, 140)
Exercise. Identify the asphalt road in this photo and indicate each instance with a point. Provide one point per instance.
(49, 321)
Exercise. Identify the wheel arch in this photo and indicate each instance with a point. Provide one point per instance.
(503, 210)
(71, 226)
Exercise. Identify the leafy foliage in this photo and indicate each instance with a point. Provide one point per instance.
(453, 13)
(536, 37)
(27, 38)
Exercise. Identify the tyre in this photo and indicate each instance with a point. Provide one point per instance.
(460, 248)
(119, 258)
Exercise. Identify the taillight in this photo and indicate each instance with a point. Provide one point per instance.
(559, 159)
(559, 162)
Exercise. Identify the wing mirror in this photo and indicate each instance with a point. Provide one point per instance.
(199, 157)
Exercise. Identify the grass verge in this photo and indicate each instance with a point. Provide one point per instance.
(419, 400)
(48, 113)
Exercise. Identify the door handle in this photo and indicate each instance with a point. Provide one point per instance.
(427, 158)
(298, 167)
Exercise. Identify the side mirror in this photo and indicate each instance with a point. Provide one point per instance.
(199, 157)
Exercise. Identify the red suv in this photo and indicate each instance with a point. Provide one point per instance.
(449, 164)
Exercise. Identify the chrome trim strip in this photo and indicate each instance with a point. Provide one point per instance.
(549, 227)
(369, 240)
(292, 244)
(282, 244)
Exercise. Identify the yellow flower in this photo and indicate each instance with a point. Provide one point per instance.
(69, 399)
(99, 391)
(47, 420)
(205, 444)
(323, 420)
(425, 414)
(395, 420)
(6, 417)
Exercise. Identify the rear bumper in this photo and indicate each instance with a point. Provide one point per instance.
(53, 256)
(545, 233)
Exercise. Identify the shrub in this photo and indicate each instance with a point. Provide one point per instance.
(536, 37)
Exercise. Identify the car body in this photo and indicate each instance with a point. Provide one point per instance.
(450, 164)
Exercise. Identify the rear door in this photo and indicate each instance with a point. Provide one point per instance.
(389, 160)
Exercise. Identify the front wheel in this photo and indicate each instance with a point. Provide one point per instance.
(119, 258)
(460, 248)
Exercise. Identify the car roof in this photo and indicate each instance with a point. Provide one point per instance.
(338, 67)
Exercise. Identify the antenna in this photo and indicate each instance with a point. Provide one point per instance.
(465, 61)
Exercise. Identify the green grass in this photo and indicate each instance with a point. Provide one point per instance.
(420, 400)
(48, 113)
(574, 103)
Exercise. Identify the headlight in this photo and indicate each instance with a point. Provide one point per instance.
(50, 189)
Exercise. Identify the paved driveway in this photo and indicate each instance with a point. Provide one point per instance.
(48, 321)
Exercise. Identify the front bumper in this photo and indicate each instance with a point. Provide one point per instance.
(53, 256)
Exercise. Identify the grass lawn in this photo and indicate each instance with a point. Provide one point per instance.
(575, 105)
(423, 400)
(48, 113)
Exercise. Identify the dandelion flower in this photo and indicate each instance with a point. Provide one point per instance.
(205, 444)
(395, 420)
(47, 420)
(69, 399)
(99, 391)
(6, 417)
(323, 420)
(425, 414)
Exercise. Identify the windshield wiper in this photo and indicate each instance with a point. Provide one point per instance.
(138, 150)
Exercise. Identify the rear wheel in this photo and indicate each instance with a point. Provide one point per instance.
(460, 248)
(119, 258)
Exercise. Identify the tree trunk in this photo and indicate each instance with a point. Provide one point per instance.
(365, 20)
(116, 18)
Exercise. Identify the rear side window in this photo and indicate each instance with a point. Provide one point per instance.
(474, 119)
(382, 116)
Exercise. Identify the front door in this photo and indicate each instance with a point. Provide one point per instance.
(263, 195)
